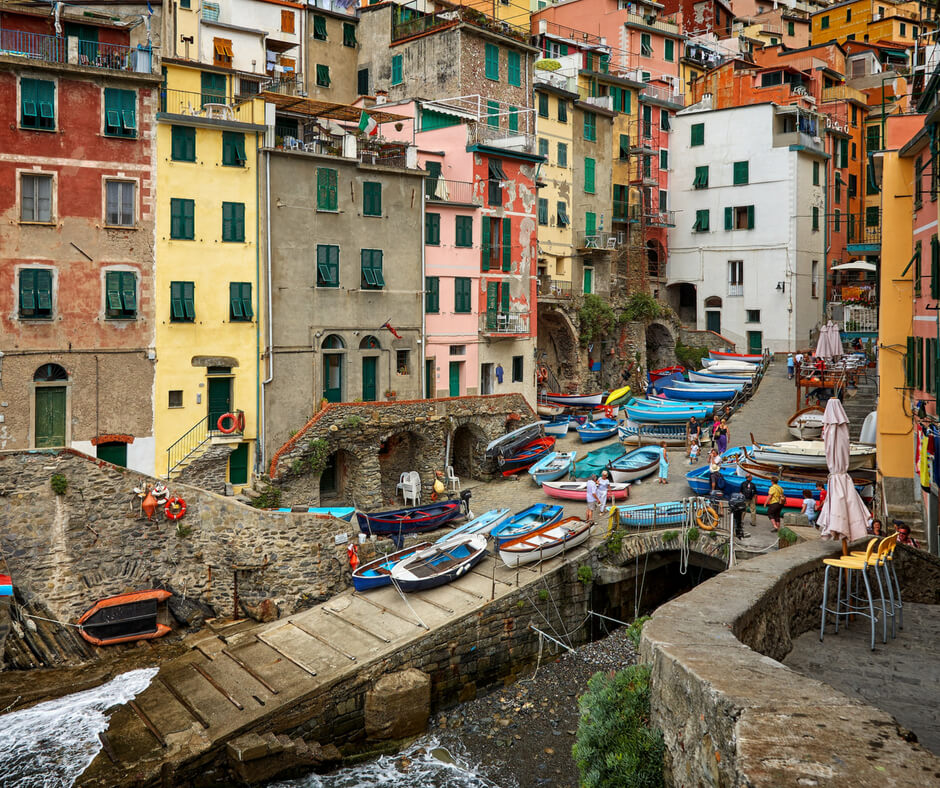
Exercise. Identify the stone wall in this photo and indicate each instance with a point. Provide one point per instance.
(207, 470)
(709, 339)
(732, 715)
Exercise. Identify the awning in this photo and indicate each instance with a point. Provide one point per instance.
(327, 109)
(856, 265)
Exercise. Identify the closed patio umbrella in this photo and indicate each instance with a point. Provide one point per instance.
(843, 514)
(835, 340)
(822, 343)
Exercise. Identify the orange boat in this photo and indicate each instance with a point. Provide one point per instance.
(124, 618)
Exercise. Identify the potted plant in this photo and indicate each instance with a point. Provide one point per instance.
(390, 394)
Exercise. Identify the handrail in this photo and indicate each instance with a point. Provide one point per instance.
(186, 445)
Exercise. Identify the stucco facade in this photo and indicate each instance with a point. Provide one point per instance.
(332, 55)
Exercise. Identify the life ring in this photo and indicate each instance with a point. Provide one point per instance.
(541, 374)
(609, 411)
(225, 417)
(712, 518)
(241, 421)
(175, 508)
(352, 552)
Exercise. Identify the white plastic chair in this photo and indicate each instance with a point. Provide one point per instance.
(410, 486)
(452, 480)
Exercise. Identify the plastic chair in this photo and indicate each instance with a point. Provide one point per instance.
(452, 480)
(410, 485)
(852, 567)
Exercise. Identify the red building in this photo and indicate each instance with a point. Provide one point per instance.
(77, 180)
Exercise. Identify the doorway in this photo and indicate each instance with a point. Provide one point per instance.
(238, 465)
(369, 374)
(219, 398)
(713, 321)
(755, 342)
(486, 379)
(50, 416)
(114, 452)
(588, 280)
(454, 378)
(430, 378)
(333, 368)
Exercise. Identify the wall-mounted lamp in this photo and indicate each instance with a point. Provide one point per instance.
(781, 286)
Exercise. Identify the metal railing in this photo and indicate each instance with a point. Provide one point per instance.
(407, 28)
(212, 106)
(192, 440)
(649, 20)
(555, 288)
(664, 94)
(735, 290)
(445, 190)
(285, 86)
(62, 49)
(111, 56)
(484, 134)
(52, 49)
(383, 154)
(504, 323)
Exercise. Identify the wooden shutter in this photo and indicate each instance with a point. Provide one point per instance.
(287, 21)
(507, 244)
(729, 218)
(750, 217)
(485, 244)
(504, 297)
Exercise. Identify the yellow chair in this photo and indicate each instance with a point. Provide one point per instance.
(886, 550)
(851, 567)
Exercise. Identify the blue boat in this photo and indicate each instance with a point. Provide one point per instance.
(558, 428)
(645, 415)
(440, 563)
(378, 573)
(662, 402)
(411, 520)
(702, 376)
(700, 394)
(527, 520)
(552, 466)
(696, 386)
(700, 480)
(653, 515)
(665, 380)
(672, 434)
(339, 512)
(635, 464)
(483, 524)
(597, 430)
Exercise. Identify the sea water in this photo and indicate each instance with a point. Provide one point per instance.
(52, 743)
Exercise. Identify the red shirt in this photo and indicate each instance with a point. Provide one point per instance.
(822, 497)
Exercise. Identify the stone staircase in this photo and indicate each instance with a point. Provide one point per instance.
(859, 403)
(913, 515)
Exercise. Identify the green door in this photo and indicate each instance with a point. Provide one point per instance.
(238, 465)
(333, 377)
(492, 306)
(115, 453)
(87, 36)
(455, 378)
(588, 279)
(430, 378)
(214, 89)
(50, 416)
(755, 342)
(220, 399)
(369, 366)
(713, 321)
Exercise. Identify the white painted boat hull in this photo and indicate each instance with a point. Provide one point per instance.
(514, 558)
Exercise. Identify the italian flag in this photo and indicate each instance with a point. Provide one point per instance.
(368, 125)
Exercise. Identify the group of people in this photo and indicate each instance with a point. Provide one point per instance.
(719, 433)
(597, 489)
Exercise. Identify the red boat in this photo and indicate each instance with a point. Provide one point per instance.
(527, 456)
(750, 358)
(656, 374)
(124, 618)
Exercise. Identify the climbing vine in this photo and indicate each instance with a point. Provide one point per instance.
(595, 318)
(319, 453)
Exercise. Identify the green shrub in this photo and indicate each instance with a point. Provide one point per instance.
(59, 484)
(595, 319)
(635, 629)
(585, 574)
(692, 535)
(614, 542)
(270, 498)
(690, 356)
(615, 747)
(786, 535)
(543, 595)
(319, 452)
(670, 536)
(350, 422)
(641, 307)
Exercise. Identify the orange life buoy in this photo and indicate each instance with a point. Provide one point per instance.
(711, 515)
(352, 552)
(541, 374)
(175, 508)
(227, 417)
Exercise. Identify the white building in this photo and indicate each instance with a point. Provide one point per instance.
(747, 253)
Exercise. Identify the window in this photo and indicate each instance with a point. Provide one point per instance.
(496, 177)
(646, 45)
(790, 29)
(326, 189)
(518, 364)
(562, 154)
(233, 149)
(753, 315)
(815, 173)
(239, 298)
(222, 52)
(624, 146)
(432, 229)
(35, 198)
(120, 295)
(740, 173)
(698, 134)
(701, 222)
(589, 176)
(397, 70)
(182, 219)
(837, 220)
(287, 21)
(213, 87)
(362, 82)
(562, 215)
(464, 231)
(701, 178)
(918, 182)
(371, 198)
(873, 138)
(349, 34)
(663, 200)
(848, 15)
(543, 105)
(735, 277)
(182, 302)
(854, 111)
(871, 216)
(457, 350)
(815, 278)
(664, 160)
(319, 27)
(837, 197)
(669, 50)
(491, 64)
(327, 265)
(514, 120)
(513, 72)
(175, 397)
(403, 362)
(462, 302)
(119, 203)
(910, 365)
(371, 260)
(562, 111)
(903, 29)
(432, 295)
(853, 184)
(815, 218)
(233, 222)
(35, 294)
(918, 270)
(854, 151)
(740, 217)
(590, 126)
(183, 147)
(323, 75)
(543, 147)
(824, 23)
(492, 114)
(934, 267)
(37, 104)
(120, 113)
(664, 120)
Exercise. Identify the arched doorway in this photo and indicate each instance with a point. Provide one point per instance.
(50, 382)
(334, 476)
(370, 348)
(397, 454)
(466, 451)
(660, 346)
(334, 350)
(713, 314)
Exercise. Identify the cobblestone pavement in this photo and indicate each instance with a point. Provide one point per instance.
(765, 415)
(901, 677)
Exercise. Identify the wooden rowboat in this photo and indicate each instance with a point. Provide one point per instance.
(440, 563)
(806, 423)
(546, 542)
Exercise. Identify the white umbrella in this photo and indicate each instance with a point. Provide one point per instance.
(835, 340)
(822, 343)
(843, 514)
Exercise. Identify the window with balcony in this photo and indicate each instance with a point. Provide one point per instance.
(327, 265)
(492, 114)
(36, 198)
(496, 244)
(119, 203)
(735, 277)
(37, 104)
(35, 294)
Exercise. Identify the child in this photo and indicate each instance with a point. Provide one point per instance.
(663, 466)
(822, 494)
(809, 507)
(693, 452)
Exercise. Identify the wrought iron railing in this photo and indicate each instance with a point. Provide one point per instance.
(214, 106)
(599, 240)
(53, 49)
(408, 28)
(499, 137)
(555, 288)
(444, 190)
(654, 21)
(56, 49)
(735, 289)
(504, 322)
(193, 439)
(111, 56)
(662, 93)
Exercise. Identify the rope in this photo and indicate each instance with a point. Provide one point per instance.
(538, 663)
(52, 620)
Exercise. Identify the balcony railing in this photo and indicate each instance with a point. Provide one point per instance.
(621, 208)
(664, 94)
(286, 86)
(444, 190)
(504, 323)
(61, 49)
(555, 289)
(655, 22)
(498, 137)
(841, 93)
(407, 28)
(735, 289)
(212, 106)
(383, 154)
(639, 215)
(52, 49)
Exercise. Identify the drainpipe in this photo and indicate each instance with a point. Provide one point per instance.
(259, 430)
(270, 343)
(423, 339)
(827, 245)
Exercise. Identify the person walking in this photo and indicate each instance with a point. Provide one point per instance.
(695, 430)
(721, 436)
(809, 507)
(714, 470)
(775, 501)
(663, 465)
(789, 366)
(749, 491)
(603, 486)
(591, 498)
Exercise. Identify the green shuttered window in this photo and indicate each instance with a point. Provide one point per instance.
(233, 221)
(37, 104)
(590, 126)
(543, 210)
(935, 267)
(464, 231)
(371, 261)
(513, 71)
(589, 175)
(326, 189)
(319, 27)
(543, 105)
(120, 113)
(183, 146)
(327, 265)
(491, 65)
(432, 229)
(462, 297)
(397, 70)
(182, 219)
(120, 295)
(35, 294)
(507, 244)
(233, 149)
(349, 35)
(698, 134)
(701, 224)
(432, 295)
(239, 297)
(182, 302)
(485, 245)
(740, 172)
(371, 198)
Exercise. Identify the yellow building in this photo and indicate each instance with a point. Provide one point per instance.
(869, 20)
(207, 302)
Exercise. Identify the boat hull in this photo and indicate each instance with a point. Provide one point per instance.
(656, 374)
(653, 515)
(597, 430)
(483, 524)
(697, 376)
(558, 429)
(546, 543)
(527, 456)
(552, 467)
(124, 618)
(575, 400)
(337, 512)
(549, 409)
(527, 520)
(616, 396)
(577, 491)
(636, 464)
(432, 567)
(408, 521)
(709, 394)
(665, 415)
(378, 573)
(751, 358)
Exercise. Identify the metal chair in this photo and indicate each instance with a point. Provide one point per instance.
(853, 566)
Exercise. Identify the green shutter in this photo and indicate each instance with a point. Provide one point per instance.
(935, 267)
(750, 217)
(624, 146)
(919, 362)
(319, 27)
(129, 292)
(543, 105)
(326, 189)
(120, 112)
(37, 104)
(233, 221)
(372, 198)
(491, 66)
(589, 175)
(485, 244)
(432, 294)
(183, 147)
(844, 153)
(513, 74)
(464, 231)
(562, 154)
(729, 218)
(507, 244)
(182, 305)
(701, 177)
(504, 297)
(323, 75)
(397, 70)
(669, 51)
(492, 114)
(543, 210)
(698, 134)
(327, 265)
(182, 219)
(562, 110)
(371, 262)
(432, 229)
(349, 34)
(233, 149)
(909, 363)
(462, 295)
(113, 291)
(590, 223)
(514, 120)
(740, 172)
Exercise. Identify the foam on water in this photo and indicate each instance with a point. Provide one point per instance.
(51, 744)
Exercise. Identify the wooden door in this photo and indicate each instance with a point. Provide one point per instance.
(430, 378)
(455, 378)
(220, 399)
(333, 377)
(115, 453)
(588, 279)
(755, 342)
(713, 320)
(369, 368)
(50, 416)
(238, 465)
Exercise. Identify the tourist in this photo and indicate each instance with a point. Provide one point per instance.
(775, 501)
(714, 470)
(904, 534)
(809, 507)
(591, 498)
(877, 529)
(663, 465)
(693, 451)
(603, 485)
(789, 366)
(695, 429)
(721, 436)
(821, 494)
(749, 491)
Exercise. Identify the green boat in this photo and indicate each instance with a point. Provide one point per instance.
(596, 461)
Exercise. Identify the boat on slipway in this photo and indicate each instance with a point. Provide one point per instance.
(546, 542)
(597, 430)
(124, 618)
(806, 424)
(751, 358)
(636, 464)
(526, 521)
(411, 520)
(439, 564)
(574, 400)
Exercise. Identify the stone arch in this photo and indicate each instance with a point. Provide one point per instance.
(467, 448)
(400, 452)
(713, 302)
(660, 346)
(558, 346)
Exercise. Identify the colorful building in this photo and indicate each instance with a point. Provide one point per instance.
(77, 162)
(898, 21)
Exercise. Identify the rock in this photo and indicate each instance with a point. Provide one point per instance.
(250, 493)
(399, 705)
(264, 612)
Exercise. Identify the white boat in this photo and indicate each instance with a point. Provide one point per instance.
(729, 367)
(559, 428)
(546, 542)
(574, 400)
(549, 409)
(635, 464)
(806, 423)
(809, 454)
(704, 376)
(699, 385)
(519, 436)
(870, 429)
